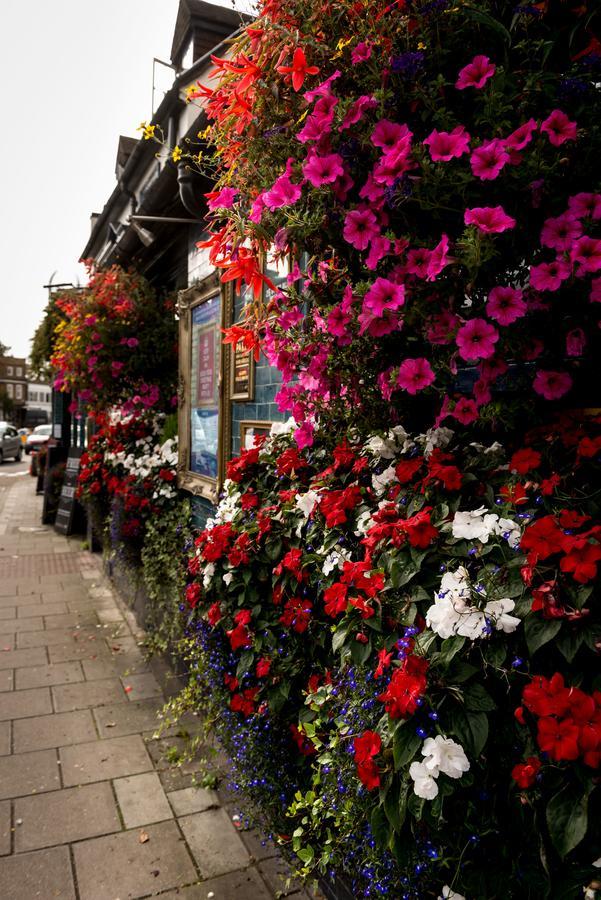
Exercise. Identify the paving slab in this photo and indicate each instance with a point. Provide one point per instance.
(71, 620)
(42, 609)
(259, 846)
(192, 800)
(244, 885)
(58, 730)
(116, 719)
(53, 637)
(5, 828)
(141, 687)
(15, 659)
(42, 875)
(22, 704)
(88, 694)
(7, 680)
(142, 800)
(5, 730)
(119, 866)
(28, 773)
(91, 649)
(52, 673)
(279, 877)
(65, 816)
(100, 760)
(207, 834)
(13, 626)
(8, 612)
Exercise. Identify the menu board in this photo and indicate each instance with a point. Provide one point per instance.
(204, 412)
(242, 374)
(66, 504)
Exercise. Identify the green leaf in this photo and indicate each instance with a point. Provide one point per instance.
(339, 638)
(477, 699)
(459, 671)
(539, 631)
(380, 827)
(450, 647)
(360, 653)
(567, 817)
(395, 804)
(405, 746)
(487, 21)
(569, 643)
(273, 550)
(472, 730)
(306, 855)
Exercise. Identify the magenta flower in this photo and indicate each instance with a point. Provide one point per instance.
(387, 134)
(552, 385)
(559, 128)
(561, 232)
(393, 164)
(575, 342)
(323, 88)
(418, 261)
(415, 375)
(476, 73)
(488, 160)
(320, 170)
(585, 206)
(283, 192)
(304, 435)
(338, 325)
(505, 305)
(383, 295)
(223, 199)
(442, 327)
(439, 258)
(489, 219)
(522, 136)
(373, 191)
(476, 339)
(549, 276)
(360, 227)
(465, 411)
(445, 145)
(595, 294)
(586, 251)
(361, 53)
(378, 249)
(357, 110)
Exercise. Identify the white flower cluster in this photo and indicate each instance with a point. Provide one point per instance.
(440, 755)
(147, 460)
(479, 525)
(454, 613)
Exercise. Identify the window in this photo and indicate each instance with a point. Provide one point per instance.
(19, 372)
(9, 390)
(47, 397)
(18, 391)
(9, 370)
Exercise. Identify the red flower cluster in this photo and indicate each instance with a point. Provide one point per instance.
(363, 585)
(366, 747)
(568, 719)
(335, 504)
(524, 774)
(552, 535)
(405, 688)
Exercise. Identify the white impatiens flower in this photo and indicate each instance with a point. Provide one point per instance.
(286, 427)
(474, 525)
(424, 782)
(435, 437)
(335, 560)
(449, 894)
(207, 574)
(499, 610)
(305, 503)
(511, 531)
(380, 482)
(228, 577)
(454, 613)
(444, 755)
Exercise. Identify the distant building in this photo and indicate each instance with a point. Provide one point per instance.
(13, 389)
(38, 409)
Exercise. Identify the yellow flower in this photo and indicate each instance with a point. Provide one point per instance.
(176, 154)
(147, 130)
(421, 46)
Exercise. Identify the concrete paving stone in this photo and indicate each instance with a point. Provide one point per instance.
(88, 694)
(21, 704)
(259, 846)
(42, 875)
(244, 885)
(101, 760)
(8, 588)
(54, 637)
(13, 626)
(142, 800)
(208, 835)
(5, 731)
(7, 642)
(92, 648)
(26, 586)
(15, 659)
(116, 719)
(192, 800)
(108, 616)
(279, 877)
(53, 673)
(7, 680)
(55, 595)
(28, 773)
(173, 780)
(120, 866)
(141, 686)
(65, 816)
(93, 669)
(58, 730)
(5, 827)
(10, 601)
(8, 612)
(41, 609)
(71, 620)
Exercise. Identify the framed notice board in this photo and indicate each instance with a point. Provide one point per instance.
(66, 505)
(242, 370)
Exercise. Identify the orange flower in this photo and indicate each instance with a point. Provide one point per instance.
(299, 69)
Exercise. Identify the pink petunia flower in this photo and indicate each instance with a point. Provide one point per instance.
(439, 258)
(415, 375)
(489, 219)
(338, 325)
(595, 294)
(377, 326)
(442, 327)
(304, 435)
(361, 53)
(585, 206)
(549, 276)
(552, 385)
(476, 73)
(476, 339)
(394, 163)
(223, 199)
(488, 160)
(378, 249)
(465, 411)
(360, 227)
(322, 89)
(320, 170)
(283, 192)
(418, 261)
(522, 136)
(505, 305)
(372, 191)
(445, 145)
(559, 128)
(561, 232)
(575, 342)
(356, 111)
(387, 134)
(586, 251)
(383, 295)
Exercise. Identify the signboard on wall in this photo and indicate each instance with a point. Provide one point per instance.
(66, 504)
(204, 408)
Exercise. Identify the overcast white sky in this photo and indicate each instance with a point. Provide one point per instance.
(75, 74)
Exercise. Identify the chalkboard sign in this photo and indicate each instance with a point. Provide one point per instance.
(66, 503)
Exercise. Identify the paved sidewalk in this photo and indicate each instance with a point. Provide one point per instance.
(89, 808)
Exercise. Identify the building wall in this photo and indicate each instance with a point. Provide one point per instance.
(13, 384)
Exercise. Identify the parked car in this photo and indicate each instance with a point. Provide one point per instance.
(10, 442)
(38, 437)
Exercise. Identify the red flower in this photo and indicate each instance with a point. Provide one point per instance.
(297, 614)
(558, 738)
(263, 667)
(543, 537)
(240, 636)
(245, 701)
(384, 660)
(406, 469)
(523, 461)
(193, 594)
(439, 470)
(546, 697)
(368, 745)
(582, 560)
(419, 529)
(237, 468)
(524, 774)
(336, 599)
(214, 613)
(405, 688)
(290, 462)
(514, 494)
(299, 69)
(548, 485)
